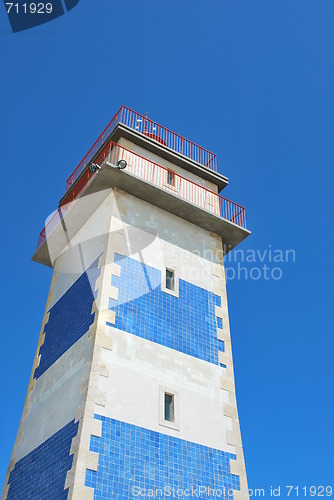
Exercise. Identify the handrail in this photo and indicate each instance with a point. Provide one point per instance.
(151, 129)
(172, 139)
(93, 150)
(157, 175)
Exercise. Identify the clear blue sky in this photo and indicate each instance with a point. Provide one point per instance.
(252, 81)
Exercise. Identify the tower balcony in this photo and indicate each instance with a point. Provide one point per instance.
(150, 182)
(155, 133)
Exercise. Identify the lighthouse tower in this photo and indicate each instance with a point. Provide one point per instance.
(132, 390)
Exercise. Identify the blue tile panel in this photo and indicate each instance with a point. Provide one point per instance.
(186, 323)
(41, 474)
(131, 456)
(69, 319)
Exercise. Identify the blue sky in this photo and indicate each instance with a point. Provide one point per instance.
(252, 81)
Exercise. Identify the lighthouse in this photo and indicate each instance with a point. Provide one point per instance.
(132, 391)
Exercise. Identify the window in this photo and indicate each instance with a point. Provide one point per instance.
(170, 178)
(170, 278)
(170, 281)
(169, 407)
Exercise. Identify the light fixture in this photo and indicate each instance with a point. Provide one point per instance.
(93, 167)
(121, 164)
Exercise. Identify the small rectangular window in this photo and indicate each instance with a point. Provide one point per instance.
(169, 407)
(170, 279)
(170, 178)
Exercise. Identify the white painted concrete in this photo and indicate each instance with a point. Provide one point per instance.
(161, 240)
(137, 369)
(56, 397)
(126, 143)
(85, 246)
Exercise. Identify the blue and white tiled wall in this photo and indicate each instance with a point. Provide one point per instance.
(41, 473)
(132, 457)
(43, 452)
(69, 319)
(160, 338)
(186, 323)
(157, 340)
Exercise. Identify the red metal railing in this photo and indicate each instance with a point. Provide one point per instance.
(157, 175)
(49, 227)
(152, 130)
(170, 139)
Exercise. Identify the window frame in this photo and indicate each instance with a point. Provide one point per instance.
(175, 424)
(172, 174)
(175, 290)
